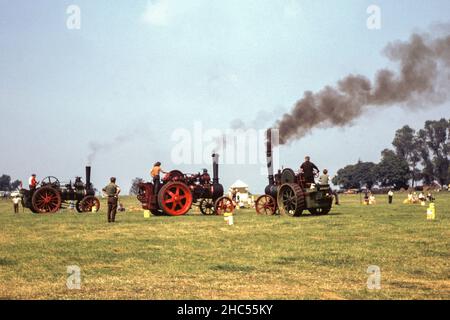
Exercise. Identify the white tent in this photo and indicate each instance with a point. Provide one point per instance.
(242, 195)
(239, 184)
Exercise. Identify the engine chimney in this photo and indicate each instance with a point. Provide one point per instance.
(88, 177)
(215, 157)
(269, 156)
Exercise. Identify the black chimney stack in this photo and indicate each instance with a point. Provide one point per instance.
(215, 157)
(88, 177)
(269, 156)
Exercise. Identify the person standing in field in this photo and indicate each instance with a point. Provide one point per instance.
(16, 201)
(309, 169)
(112, 192)
(155, 174)
(390, 196)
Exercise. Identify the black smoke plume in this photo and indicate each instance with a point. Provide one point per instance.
(422, 80)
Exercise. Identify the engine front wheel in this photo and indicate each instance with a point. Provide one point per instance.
(266, 205)
(88, 203)
(207, 207)
(224, 205)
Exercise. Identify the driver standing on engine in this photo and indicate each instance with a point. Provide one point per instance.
(309, 169)
(32, 182)
(205, 178)
(155, 173)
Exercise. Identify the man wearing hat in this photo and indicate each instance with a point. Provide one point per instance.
(112, 192)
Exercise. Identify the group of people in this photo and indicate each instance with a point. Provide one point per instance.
(369, 198)
(413, 197)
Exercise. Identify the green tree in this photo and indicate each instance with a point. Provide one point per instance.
(437, 138)
(356, 176)
(14, 185)
(427, 173)
(5, 182)
(406, 145)
(135, 185)
(392, 171)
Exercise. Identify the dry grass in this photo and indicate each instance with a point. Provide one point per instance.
(197, 257)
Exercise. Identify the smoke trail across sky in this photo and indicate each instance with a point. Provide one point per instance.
(423, 80)
(95, 147)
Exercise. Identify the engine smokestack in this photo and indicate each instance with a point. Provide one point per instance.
(269, 156)
(88, 177)
(215, 157)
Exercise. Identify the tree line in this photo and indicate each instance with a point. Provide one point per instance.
(417, 157)
(6, 184)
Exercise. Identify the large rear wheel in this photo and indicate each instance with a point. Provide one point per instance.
(266, 205)
(291, 200)
(46, 200)
(175, 198)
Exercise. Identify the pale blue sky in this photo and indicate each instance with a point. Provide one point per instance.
(146, 73)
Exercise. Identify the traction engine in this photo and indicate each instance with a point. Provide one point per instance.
(288, 194)
(178, 192)
(50, 196)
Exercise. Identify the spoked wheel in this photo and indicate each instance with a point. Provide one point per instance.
(291, 200)
(89, 202)
(266, 204)
(320, 211)
(46, 200)
(50, 181)
(175, 198)
(224, 205)
(207, 207)
(174, 175)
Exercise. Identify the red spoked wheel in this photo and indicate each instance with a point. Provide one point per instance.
(266, 205)
(224, 205)
(175, 199)
(89, 202)
(46, 200)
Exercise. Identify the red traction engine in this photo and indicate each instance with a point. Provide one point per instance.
(288, 194)
(178, 192)
(50, 196)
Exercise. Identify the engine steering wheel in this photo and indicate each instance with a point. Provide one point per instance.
(50, 180)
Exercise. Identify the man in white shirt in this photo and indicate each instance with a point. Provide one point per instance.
(16, 200)
(390, 196)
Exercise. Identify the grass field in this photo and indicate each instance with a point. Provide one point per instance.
(198, 257)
